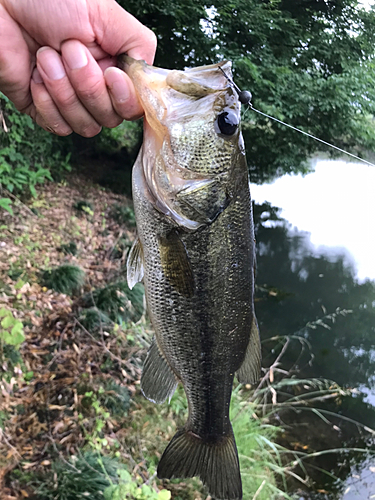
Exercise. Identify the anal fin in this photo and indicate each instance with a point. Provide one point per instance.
(249, 373)
(158, 381)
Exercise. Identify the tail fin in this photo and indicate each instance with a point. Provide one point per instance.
(216, 464)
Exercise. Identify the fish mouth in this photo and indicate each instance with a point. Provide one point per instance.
(194, 82)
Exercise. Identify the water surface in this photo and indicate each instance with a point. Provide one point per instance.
(316, 262)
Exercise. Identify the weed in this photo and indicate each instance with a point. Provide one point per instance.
(66, 279)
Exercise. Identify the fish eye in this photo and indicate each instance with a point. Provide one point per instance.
(227, 122)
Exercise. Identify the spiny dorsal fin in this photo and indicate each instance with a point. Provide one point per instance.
(249, 373)
(134, 265)
(158, 381)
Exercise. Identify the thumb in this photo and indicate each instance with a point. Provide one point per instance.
(118, 31)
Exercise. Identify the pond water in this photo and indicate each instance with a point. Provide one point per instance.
(316, 262)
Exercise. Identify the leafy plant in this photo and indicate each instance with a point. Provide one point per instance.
(66, 279)
(11, 331)
(128, 488)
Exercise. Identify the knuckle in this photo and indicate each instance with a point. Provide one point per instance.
(66, 100)
(92, 91)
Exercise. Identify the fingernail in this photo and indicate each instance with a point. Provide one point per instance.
(117, 85)
(74, 55)
(36, 76)
(50, 63)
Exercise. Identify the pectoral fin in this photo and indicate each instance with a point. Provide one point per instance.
(176, 264)
(135, 269)
(158, 381)
(204, 200)
(249, 373)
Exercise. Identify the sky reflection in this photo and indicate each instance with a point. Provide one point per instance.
(335, 204)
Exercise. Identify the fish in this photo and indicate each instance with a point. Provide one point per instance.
(195, 253)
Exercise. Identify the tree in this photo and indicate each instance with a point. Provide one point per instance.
(307, 62)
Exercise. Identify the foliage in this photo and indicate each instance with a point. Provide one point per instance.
(309, 63)
(118, 301)
(123, 215)
(126, 136)
(66, 279)
(11, 331)
(128, 488)
(28, 154)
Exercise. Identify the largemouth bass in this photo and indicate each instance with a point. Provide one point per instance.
(195, 254)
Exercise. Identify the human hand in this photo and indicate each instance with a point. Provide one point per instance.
(57, 62)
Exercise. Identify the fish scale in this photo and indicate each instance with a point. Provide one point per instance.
(195, 254)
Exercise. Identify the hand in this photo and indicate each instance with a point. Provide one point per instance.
(57, 62)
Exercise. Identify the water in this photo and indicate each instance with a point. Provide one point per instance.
(318, 261)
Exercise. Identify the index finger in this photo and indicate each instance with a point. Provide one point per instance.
(117, 31)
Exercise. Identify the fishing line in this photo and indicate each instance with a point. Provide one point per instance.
(245, 98)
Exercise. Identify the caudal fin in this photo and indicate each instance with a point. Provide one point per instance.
(187, 455)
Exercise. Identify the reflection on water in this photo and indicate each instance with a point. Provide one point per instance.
(299, 283)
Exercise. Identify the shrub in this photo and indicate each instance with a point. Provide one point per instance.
(28, 154)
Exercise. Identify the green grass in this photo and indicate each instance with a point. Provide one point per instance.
(82, 477)
(66, 279)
